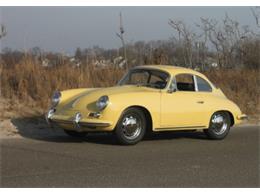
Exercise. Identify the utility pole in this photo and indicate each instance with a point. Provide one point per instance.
(3, 31)
(2, 34)
(121, 36)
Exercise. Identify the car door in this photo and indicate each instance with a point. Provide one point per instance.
(204, 93)
(184, 107)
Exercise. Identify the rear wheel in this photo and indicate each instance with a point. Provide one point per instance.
(131, 126)
(75, 133)
(219, 125)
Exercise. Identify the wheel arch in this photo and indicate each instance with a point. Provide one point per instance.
(230, 115)
(147, 114)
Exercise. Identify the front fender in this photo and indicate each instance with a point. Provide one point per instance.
(119, 103)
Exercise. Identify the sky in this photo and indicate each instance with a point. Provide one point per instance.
(63, 29)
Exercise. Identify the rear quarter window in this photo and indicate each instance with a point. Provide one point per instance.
(203, 85)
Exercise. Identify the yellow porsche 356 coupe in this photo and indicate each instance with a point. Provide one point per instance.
(148, 98)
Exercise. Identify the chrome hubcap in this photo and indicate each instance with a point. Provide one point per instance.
(131, 126)
(219, 124)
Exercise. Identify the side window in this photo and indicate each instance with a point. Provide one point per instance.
(185, 82)
(203, 85)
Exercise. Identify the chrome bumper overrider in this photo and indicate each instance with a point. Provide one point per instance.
(75, 122)
(242, 117)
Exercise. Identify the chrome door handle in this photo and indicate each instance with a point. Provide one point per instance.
(200, 102)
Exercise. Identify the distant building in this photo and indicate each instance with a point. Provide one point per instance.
(119, 62)
(46, 63)
(74, 62)
(214, 65)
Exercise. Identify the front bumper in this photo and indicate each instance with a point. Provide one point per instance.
(77, 122)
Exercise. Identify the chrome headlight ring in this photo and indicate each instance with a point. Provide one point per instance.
(102, 102)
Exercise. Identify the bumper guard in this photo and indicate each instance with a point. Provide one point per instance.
(242, 117)
(75, 122)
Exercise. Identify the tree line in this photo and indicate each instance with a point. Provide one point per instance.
(209, 43)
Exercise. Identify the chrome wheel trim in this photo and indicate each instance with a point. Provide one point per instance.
(219, 123)
(131, 126)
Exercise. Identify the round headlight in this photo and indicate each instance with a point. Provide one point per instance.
(56, 98)
(102, 102)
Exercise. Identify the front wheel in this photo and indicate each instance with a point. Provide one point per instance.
(219, 125)
(130, 128)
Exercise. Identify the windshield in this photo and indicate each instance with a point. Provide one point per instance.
(146, 77)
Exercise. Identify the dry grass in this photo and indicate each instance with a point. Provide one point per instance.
(31, 84)
(241, 86)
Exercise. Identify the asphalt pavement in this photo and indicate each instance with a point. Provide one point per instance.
(177, 159)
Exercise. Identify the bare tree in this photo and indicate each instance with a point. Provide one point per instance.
(186, 38)
(256, 14)
(121, 36)
(226, 37)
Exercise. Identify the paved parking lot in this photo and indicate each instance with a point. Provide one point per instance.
(164, 160)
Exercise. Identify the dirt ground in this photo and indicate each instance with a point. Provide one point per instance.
(13, 118)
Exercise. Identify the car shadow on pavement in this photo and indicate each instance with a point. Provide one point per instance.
(37, 128)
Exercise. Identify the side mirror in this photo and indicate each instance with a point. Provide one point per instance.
(172, 87)
(171, 90)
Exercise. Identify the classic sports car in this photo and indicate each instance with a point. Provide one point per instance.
(148, 98)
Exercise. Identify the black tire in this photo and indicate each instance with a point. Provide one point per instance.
(75, 133)
(219, 130)
(131, 127)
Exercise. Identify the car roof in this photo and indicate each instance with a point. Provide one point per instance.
(173, 70)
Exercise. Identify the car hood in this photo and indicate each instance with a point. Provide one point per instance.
(89, 97)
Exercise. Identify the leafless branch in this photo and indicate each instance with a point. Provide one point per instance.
(256, 14)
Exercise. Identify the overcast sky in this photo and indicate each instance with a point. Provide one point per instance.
(63, 29)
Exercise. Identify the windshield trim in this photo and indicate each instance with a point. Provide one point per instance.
(143, 68)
